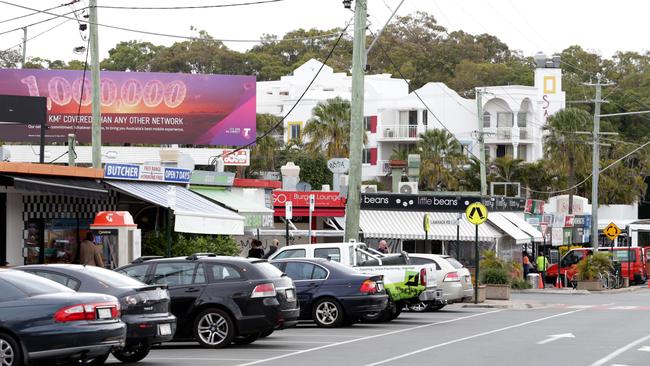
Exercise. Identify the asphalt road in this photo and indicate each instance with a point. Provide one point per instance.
(591, 330)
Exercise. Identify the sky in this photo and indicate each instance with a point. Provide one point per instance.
(603, 26)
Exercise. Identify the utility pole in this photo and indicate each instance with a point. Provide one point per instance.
(356, 121)
(481, 141)
(71, 151)
(94, 68)
(24, 59)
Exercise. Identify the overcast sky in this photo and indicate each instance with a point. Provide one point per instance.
(605, 26)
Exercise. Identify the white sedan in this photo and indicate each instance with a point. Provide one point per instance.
(453, 277)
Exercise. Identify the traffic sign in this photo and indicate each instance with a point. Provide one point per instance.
(427, 223)
(476, 213)
(612, 231)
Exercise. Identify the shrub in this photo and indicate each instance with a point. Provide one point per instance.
(155, 243)
(520, 284)
(490, 261)
(588, 269)
(495, 276)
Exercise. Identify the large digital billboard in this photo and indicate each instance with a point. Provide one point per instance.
(138, 107)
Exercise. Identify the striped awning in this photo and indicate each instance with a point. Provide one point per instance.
(409, 225)
(523, 225)
(508, 227)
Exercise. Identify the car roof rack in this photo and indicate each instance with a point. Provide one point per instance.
(146, 258)
(196, 256)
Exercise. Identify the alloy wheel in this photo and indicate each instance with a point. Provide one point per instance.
(327, 313)
(7, 354)
(213, 329)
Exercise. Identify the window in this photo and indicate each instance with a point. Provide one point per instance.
(367, 122)
(111, 278)
(319, 273)
(9, 292)
(199, 277)
(299, 271)
(331, 253)
(413, 118)
(366, 156)
(621, 256)
(66, 281)
(456, 264)
(32, 285)
(504, 119)
(174, 274)
(420, 261)
(521, 119)
(268, 270)
(222, 272)
(425, 117)
(284, 93)
(486, 119)
(137, 272)
(291, 253)
(295, 131)
(522, 151)
(361, 257)
(503, 150)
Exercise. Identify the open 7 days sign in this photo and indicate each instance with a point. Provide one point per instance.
(407, 202)
(151, 173)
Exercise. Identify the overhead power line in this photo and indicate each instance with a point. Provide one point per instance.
(38, 34)
(37, 12)
(56, 16)
(188, 6)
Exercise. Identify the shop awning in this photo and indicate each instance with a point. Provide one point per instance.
(523, 225)
(408, 225)
(60, 186)
(193, 213)
(255, 214)
(508, 227)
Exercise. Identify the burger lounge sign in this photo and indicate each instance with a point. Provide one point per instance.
(407, 202)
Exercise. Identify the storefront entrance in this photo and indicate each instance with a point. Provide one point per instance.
(54, 240)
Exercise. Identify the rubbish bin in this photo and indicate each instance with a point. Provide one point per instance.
(533, 279)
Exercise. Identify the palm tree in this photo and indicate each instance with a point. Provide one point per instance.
(441, 158)
(263, 154)
(564, 145)
(329, 129)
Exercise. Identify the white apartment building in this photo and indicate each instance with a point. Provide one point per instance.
(513, 116)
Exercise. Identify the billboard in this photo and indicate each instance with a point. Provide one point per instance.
(138, 107)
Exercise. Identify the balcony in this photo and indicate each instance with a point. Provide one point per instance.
(525, 133)
(508, 134)
(399, 132)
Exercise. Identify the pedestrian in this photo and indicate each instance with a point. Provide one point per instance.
(526, 264)
(256, 250)
(275, 244)
(383, 247)
(90, 253)
(542, 266)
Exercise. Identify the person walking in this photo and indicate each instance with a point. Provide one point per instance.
(256, 250)
(526, 264)
(275, 244)
(542, 266)
(383, 247)
(90, 254)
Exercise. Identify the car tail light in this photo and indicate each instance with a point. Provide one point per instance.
(368, 287)
(81, 312)
(264, 290)
(423, 277)
(451, 277)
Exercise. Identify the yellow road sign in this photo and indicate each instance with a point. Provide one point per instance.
(426, 222)
(612, 231)
(476, 213)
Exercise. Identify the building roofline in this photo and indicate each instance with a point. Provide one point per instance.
(50, 170)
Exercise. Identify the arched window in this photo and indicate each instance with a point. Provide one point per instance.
(486, 119)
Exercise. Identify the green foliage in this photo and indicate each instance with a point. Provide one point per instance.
(313, 167)
(491, 261)
(588, 269)
(441, 160)
(155, 243)
(495, 276)
(264, 153)
(520, 284)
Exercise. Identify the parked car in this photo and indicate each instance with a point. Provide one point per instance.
(220, 300)
(332, 294)
(406, 283)
(145, 308)
(637, 263)
(454, 279)
(43, 320)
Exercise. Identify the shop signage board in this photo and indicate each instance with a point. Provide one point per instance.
(208, 178)
(138, 107)
(232, 157)
(407, 202)
(151, 173)
(301, 199)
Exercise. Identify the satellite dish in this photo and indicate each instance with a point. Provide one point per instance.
(303, 187)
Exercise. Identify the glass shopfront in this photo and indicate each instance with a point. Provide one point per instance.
(59, 241)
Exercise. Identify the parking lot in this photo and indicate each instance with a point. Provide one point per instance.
(611, 329)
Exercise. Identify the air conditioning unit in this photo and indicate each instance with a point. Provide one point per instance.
(408, 187)
(370, 188)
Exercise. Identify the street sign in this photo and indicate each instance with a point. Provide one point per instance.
(476, 213)
(426, 222)
(288, 210)
(612, 231)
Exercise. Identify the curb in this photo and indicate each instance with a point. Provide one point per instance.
(552, 292)
(619, 290)
(512, 306)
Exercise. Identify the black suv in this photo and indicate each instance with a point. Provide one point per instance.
(219, 300)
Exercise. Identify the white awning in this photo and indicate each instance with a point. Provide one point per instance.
(409, 225)
(193, 213)
(523, 225)
(508, 227)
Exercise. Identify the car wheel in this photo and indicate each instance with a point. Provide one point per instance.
(327, 313)
(247, 339)
(133, 352)
(10, 353)
(419, 307)
(214, 328)
(394, 312)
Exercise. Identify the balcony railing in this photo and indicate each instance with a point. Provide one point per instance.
(509, 133)
(399, 132)
(525, 133)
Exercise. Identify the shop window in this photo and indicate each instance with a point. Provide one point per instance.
(504, 119)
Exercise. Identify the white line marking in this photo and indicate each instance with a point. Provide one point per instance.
(619, 351)
(369, 337)
(471, 337)
(296, 341)
(623, 308)
(581, 306)
(555, 337)
(644, 349)
(199, 359)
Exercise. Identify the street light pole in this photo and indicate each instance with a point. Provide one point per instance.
(356, 122)
(94, 71)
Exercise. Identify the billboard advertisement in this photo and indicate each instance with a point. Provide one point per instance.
(138, 107)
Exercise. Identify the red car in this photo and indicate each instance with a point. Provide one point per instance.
(638, 273)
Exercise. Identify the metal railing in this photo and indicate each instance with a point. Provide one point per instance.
(399, 132)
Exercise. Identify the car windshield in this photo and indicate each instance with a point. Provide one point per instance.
(32, 285)
(110, 278)
(456, 264)
(267, 269)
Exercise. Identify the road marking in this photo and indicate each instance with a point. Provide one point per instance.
(623, 307)
(472, 337)
(644, 349)
(555, 337)
(307, 342)
(199, 359)
(370, 337)
(619, 351)
(581, 306)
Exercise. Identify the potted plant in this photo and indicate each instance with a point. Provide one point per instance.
(589, 269)
(495, 275)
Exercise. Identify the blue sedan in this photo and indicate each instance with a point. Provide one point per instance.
(332, 294)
